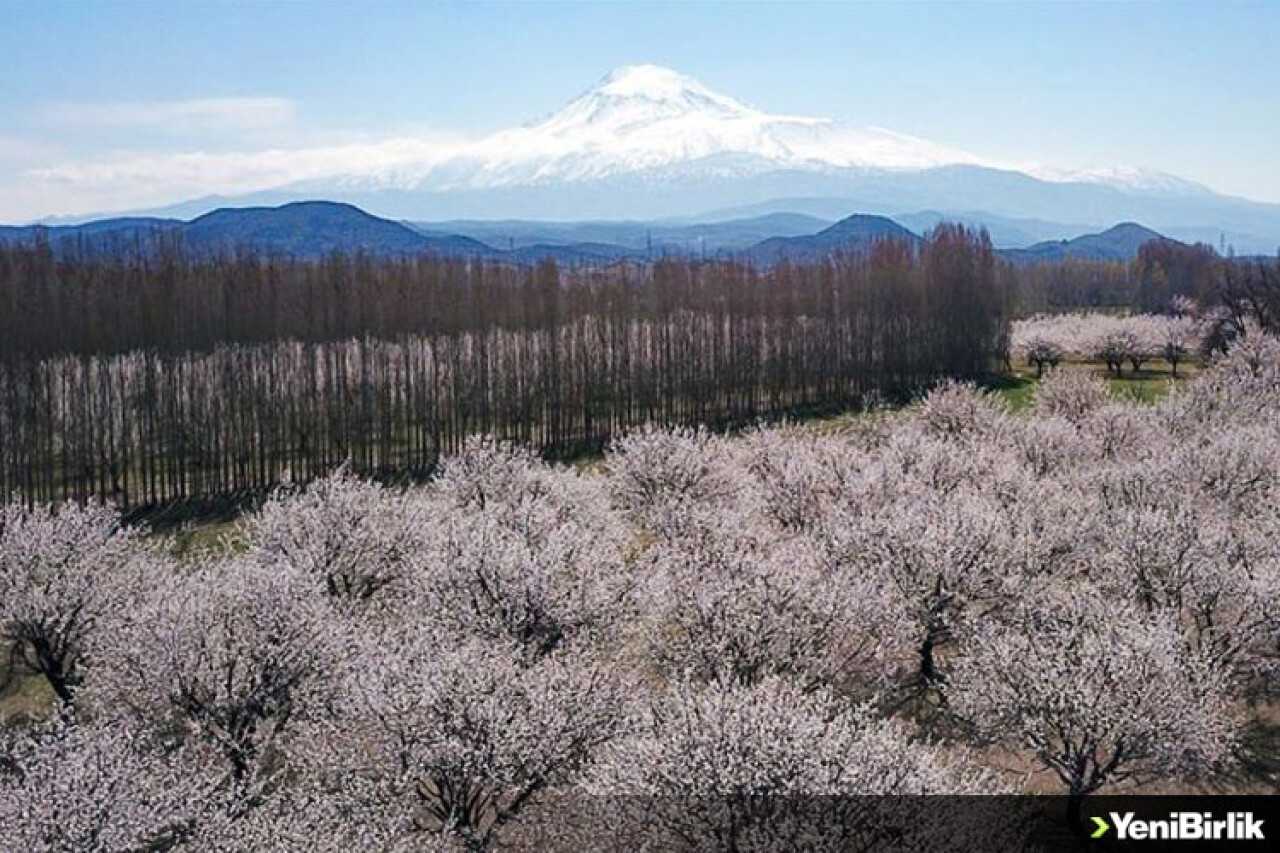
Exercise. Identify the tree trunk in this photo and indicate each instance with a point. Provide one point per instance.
(1075, 804)
(928, 667)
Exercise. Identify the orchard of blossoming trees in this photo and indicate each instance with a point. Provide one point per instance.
(677, 651)
(1116, 341)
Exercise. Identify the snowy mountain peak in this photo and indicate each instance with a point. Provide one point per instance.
(654, 83)
(641, 118)
(1125, 178)
(635, 95)
(646, 125)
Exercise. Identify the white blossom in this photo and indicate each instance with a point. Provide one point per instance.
(770, 766)
(352, 536)
(1098, 692)
(61, 572)
(72, 787)
(234, 655)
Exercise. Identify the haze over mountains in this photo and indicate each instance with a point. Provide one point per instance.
(650, 143)
(301, 229)
(318, 228)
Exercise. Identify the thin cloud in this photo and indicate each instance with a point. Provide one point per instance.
(197, 114)
(18, 149)
(163, 178)
(248, 170)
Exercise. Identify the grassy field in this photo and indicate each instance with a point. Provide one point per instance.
(23, 696)
(191, 540)
(1147, 385)
(1018, 388)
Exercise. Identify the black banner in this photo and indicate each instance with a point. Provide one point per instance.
(1097, 824)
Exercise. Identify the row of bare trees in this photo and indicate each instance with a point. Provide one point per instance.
(1071, 285)
(1164, 274)
(558, 361)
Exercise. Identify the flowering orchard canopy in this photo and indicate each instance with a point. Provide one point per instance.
(719, 628)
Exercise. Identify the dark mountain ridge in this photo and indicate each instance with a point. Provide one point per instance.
(1119, 243)
(314, 229)
(854, 233)
(308, 229)
(710, 237)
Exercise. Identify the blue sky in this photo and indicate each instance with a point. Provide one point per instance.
(1184, 87)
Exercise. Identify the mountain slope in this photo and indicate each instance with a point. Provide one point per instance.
(648, 142)
(317, 228)
(643, 117)
(692, 189)
(574, 254)
(853, 234)
(695, 238)
(96, 235)
(1005, 232)
(1118, 243)
(309, 229)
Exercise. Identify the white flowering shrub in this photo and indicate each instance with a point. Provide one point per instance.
(1070, 394)
(1099, 692)
(730, 607)
(772, 767)
(541, 583)
(233, 655)
(773, 737)
(1046, 340)
(1042, 352)
(1050, 445)
(462, 741)
(945, 559)
(536, 558)
(956, 409)
(62, 571)
(312, 818)
(486, 471)
(660, 478)
(799, 476)
(351, 536)
(97, 787)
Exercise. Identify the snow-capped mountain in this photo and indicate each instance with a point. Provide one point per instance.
(1128, 178)
(649, 142)
(644, 118)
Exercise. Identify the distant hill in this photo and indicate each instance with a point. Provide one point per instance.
(1006, 233)
(313, 229)
(318, 228)
(852, 234)
(659, 237)
(574, 253)
(98, 235)
(1118, 243)
(308, 229)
